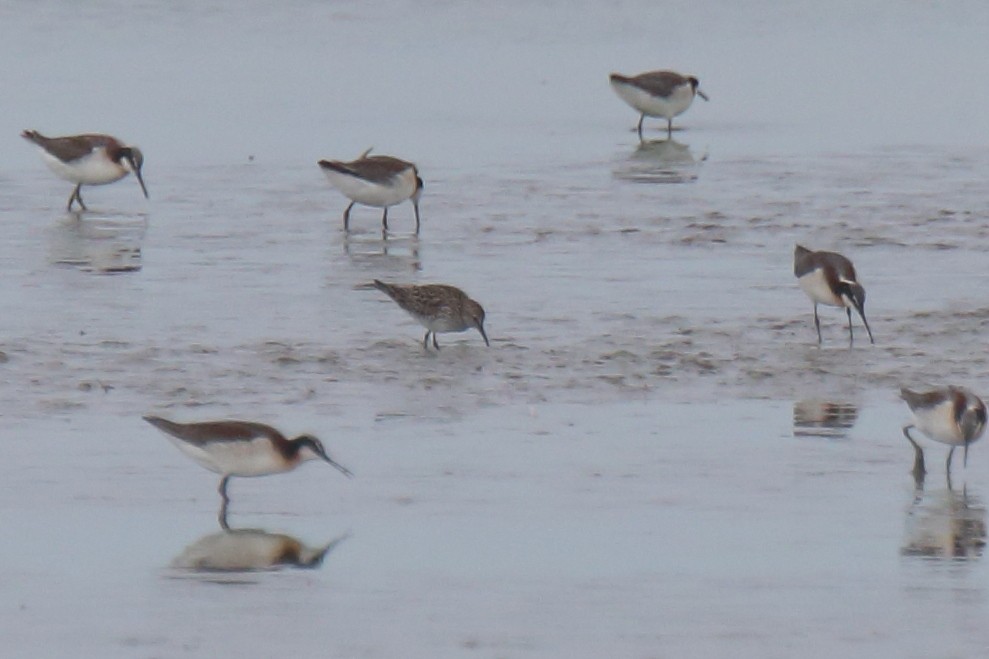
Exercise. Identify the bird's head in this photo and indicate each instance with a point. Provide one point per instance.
(695, 84)
(133, 160)
(972, 423)
(475, 313)
(311, 448)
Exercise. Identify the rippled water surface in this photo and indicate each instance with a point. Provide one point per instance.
(654, 457)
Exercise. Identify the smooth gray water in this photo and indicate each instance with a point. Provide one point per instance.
(654, 458)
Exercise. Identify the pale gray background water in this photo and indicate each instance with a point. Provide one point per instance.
(653, 459)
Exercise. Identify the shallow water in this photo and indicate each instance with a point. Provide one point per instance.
(654, 458)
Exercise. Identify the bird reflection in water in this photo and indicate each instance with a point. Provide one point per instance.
(395, 254)
(101, 243)
(251, 550)
(819, 418)
(944, 523)
(660, 161)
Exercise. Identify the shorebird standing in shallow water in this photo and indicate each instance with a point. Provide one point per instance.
(379, 181)
(829, 278)
(88, 160)
(950, 415)
(241, 448)
(437, 307)
(657, 94)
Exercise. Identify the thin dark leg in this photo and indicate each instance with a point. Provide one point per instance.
(669, 129)
(435, 344)
(415, 205)
(947, 465)
(641, 119)
(384, 219)
(76, 196)
(346, 217)
(918, 462)
(223, 489)
(851, 338)
(425, 341)
(817, 324)
(222, 517)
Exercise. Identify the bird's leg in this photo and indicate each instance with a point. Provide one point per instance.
(851, 337)
(947, 464)
(641, 119)
(669, 129)
(425, 341)
(222, 517)
(79, 197)
(384, 219)
(918, 461)
(223, 489)
(435, 344)
(74, 196)
(346, 217)
(415, 205)
(817, 324)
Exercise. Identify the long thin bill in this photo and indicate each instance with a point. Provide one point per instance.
(343, 470)
(866, 323)
(140, 179)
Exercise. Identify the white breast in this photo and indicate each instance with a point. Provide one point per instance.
(94, 169)
(655, 106)
(394, 191)
(938, 423)
(815, 285)
(441, 324)
(253, 458)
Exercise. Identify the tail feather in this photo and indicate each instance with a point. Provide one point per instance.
(335, 165)
(387, 289)
(164, 425)
(33, 136)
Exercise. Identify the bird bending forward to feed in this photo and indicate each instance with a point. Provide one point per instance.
(949, 415)
(379, 181)
(437, 307)
(829, 278)
(663, 94)
(90, 159)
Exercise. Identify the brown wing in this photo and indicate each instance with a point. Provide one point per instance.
(68, 149)
(806, 261)
(659, 83)
(918, 400)
(214, 431)
(425, 300)
(374, 169)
